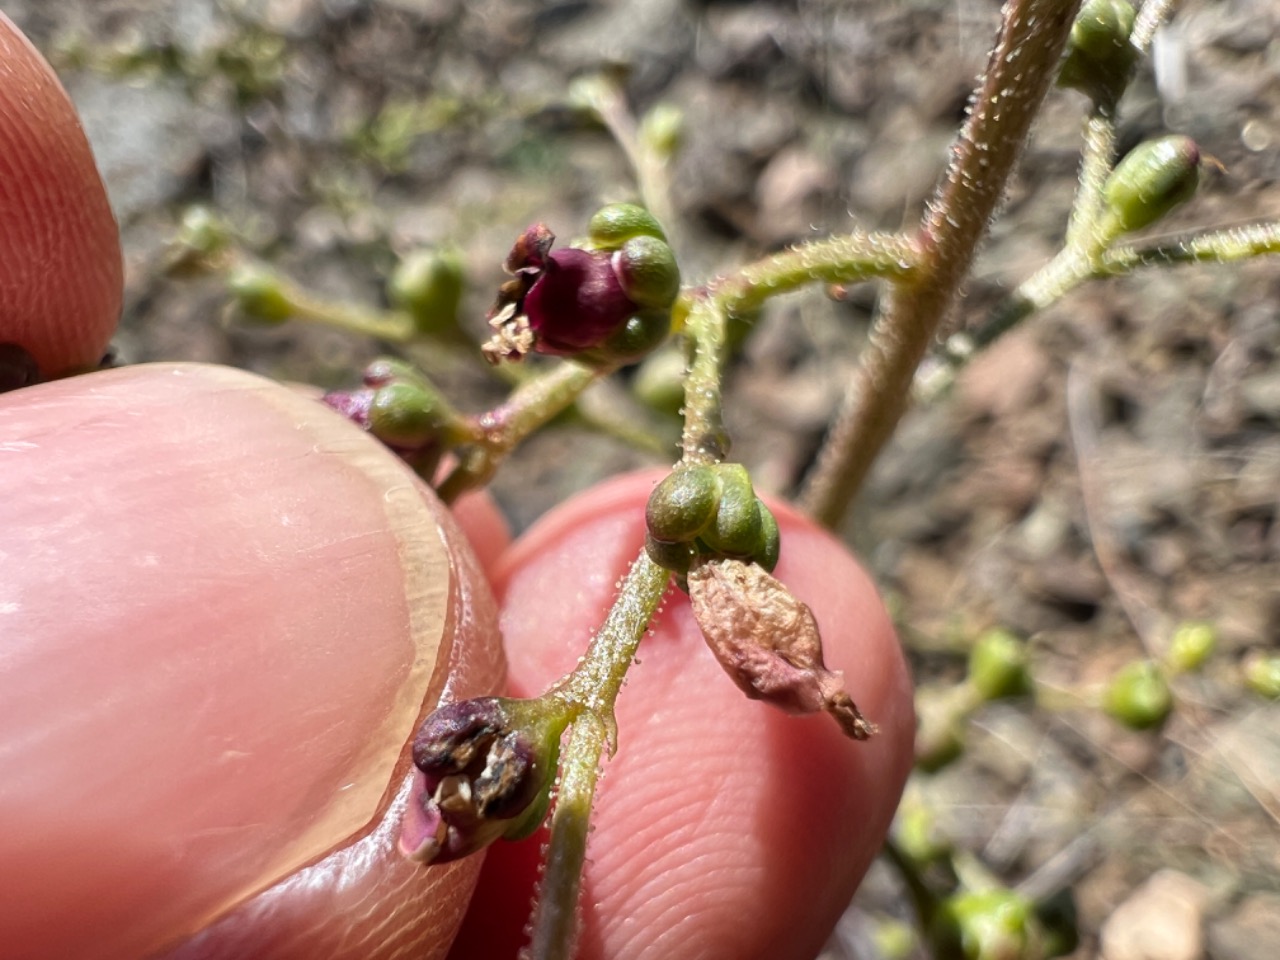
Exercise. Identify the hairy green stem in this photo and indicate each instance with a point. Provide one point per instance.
(554, 926)
(1096, 162)
(536, 401)
(1022, 67)
(591, 692)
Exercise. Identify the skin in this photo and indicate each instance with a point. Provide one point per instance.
(224, 611)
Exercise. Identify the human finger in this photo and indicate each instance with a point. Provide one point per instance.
(224, 613)
(60, 266)
(723, 828)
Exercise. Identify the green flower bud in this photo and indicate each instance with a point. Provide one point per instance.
(259, 294)
(1262, 675)
(676, 557)
(202, 232)
(614, 225)
(1192, 644)
(770, 539)
(998, 665)
(1152, 179)
(404, 416)
(1139, 696)
(1099, 57)
(683, 504)
(738, 529)
(918, 835)
(428, 286)
(986, 925)
(647, 271)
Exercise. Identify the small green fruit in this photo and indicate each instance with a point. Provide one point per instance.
(676, 557)
(428, 285)
(1139, 696)
(639, 336)
(998, 665)
(662, 128)
(770, 539)
(684, 504)
(259, 294)
(1153, 179)
(1262, 675)
(1192, 644)
(614, 225)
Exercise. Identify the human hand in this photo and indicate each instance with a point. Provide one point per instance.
(224, 609)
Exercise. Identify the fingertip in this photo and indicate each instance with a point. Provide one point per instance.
(722, 828)
(61, 272)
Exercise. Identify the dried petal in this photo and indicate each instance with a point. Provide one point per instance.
(768, 642)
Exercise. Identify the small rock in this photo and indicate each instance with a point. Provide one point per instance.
(1161, 921)
(1250, 933)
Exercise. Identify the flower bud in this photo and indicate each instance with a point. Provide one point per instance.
(1192, 644)
(1152, 179)
(683, 504)
(612, 226)
(987, 925)
(1262, 675)
(428, 286)
(998, 665)
(259, 294)
(1139, 696)
(1100, 58)
(485, 771)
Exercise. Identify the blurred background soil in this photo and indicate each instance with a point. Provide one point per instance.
(1099, 475)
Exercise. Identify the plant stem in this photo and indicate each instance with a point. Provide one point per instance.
(531, 405)
(1022, 66)
(1096, 161)
(554, 926)
(591, 691)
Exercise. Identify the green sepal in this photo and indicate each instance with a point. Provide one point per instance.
(676, 557)
(770, 547)
(646, 269)
(614, 225)
(683, 504)
(738, 526)
(639, 336)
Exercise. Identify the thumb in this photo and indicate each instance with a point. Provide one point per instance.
(222, 615)
(60, 267)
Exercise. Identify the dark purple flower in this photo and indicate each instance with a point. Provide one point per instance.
(484, 771)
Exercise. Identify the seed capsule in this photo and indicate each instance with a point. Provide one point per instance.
(1139, 696)
(1100, 58)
